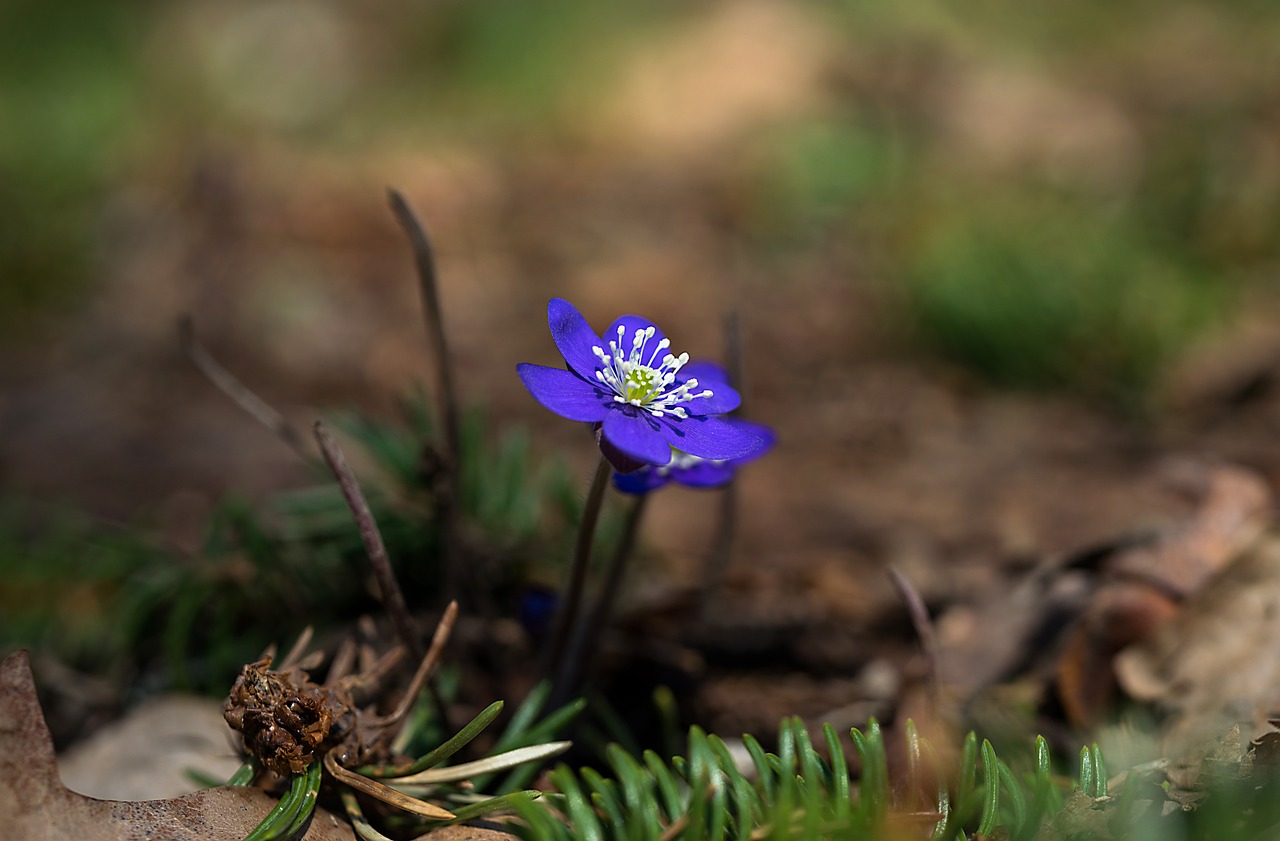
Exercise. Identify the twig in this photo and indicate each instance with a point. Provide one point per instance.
(299, 648)
(392, 597)
(567, 617)
(384, 793)
(228, 384)
(923, 624)
(428, 664)
(445, 496)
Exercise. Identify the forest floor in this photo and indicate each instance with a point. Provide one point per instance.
(985, 499)
(1064, 547)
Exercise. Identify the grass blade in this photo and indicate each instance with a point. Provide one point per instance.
(447, 749)
(991, 789)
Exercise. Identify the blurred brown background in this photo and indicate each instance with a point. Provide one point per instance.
(997, 266)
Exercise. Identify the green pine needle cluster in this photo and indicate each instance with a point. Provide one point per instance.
(798, 792)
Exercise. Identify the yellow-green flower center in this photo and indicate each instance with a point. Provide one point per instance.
(641, 385)
(634, 379)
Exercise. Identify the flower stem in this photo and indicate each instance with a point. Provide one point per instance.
(727, 520)
(567, 618)
(584, 644)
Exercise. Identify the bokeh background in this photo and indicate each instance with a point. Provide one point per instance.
(995, 264)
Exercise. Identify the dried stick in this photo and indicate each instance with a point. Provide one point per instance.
(384, 793)
(392, 597)
(923, 625)
(424, 259)
(226, 382)
(428, 664)
(299, 648)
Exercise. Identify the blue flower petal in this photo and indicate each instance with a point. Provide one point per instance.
(709, 437)
(622, 463)
(724, 398)
(705, 474)
(565, 393)
(710, 373)
(766, 434)
(630, 324)
(574, 338)
(640, 481)
(637, 435)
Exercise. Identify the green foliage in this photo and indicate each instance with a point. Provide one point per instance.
(520, 750)
(795, 793)
(815, 177)
(112, 601)
(293, 810)
(67, 74)
(1056, 298)
(491, 62)
(945, 168)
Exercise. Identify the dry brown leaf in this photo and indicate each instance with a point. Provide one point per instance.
(491, 831)
(1232, 507)
(1118, 614)
(1146, 582)
(1216, 663)
(35, 805)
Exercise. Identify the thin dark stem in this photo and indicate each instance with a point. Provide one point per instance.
(923, 625)
(584, 645)
(721, 551)
(445, 491)
(567, 617)
(228, 384)
(392, 597)
(727, 520)
(424, 258)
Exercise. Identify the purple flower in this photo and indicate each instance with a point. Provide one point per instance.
(690, 470)
(642, 401)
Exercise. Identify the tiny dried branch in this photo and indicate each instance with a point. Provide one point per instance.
(384, 793)
(424, 259)
(299, 648)
(438, 642)
(228, 384)
(392, 597)
(376, 673)
(923, 625)
(344, 660)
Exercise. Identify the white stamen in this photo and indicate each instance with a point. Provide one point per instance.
(680, 460)
(635, 380)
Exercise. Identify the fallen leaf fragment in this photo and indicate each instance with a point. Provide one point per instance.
(1216, 664)
(1144, 585)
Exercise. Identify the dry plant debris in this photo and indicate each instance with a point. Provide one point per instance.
(285, 718)
(35, 805)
